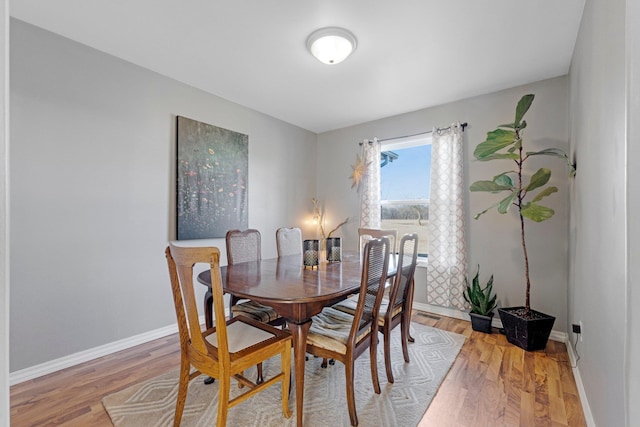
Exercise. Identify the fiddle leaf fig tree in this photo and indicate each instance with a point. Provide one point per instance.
(523, 193)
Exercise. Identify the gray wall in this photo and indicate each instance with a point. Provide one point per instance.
(4, 219)
(633, 207)
(92, 182)
(598, 225)
(494, 240)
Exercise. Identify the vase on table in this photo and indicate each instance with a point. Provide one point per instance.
(310, 251)
(334, 250)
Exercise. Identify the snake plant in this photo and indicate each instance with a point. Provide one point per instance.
(480, 299)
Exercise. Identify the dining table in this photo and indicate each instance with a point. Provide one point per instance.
(296, 292)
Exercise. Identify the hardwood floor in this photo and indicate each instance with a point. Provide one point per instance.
(492, 383)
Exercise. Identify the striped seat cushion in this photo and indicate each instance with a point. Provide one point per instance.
(330, 329)
(349, 306)
(384, 306)
(255, 310)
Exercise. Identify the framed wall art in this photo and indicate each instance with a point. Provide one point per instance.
(212, 178)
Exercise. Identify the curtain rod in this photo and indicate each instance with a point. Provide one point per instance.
(462, 125)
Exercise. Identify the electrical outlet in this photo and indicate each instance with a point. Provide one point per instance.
(576, 328)
(581, 330)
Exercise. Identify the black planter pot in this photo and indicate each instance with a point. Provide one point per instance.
(481, 323)
(528, 334)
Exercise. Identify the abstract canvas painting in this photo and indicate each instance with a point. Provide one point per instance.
(212, 175)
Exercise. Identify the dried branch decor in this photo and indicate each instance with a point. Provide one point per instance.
(318, 215)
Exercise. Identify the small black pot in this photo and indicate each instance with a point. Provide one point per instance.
(528, 334)
(481, 323)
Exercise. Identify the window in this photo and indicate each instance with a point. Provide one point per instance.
(405, 170)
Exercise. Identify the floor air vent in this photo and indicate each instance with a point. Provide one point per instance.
(430, 316)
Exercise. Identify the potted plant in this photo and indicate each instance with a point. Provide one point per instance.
(481, 301)
(524, 327)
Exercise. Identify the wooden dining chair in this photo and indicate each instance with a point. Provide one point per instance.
(288, 241)
(396, 310)
(227, 349)
(397, 313)
(244, 246)
(344, 337)
(365, 234)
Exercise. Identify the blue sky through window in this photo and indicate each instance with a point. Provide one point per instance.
(407, 177)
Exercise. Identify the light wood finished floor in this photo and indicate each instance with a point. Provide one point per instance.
(492, 383)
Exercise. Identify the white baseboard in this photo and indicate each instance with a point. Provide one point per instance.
(51, 366)
(443, 311)
(586, 409)
(463, 315)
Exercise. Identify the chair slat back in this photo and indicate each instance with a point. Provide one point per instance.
(365, 234)
(289, 241)
(374, 275)
(243, 246)
(407, 259)
(181, 261)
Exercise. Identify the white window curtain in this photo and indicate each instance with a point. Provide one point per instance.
(370, 195)
(447, 265)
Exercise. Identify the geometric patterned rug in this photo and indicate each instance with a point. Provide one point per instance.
(402, 403)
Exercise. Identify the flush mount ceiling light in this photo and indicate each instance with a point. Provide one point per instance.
(331, 45)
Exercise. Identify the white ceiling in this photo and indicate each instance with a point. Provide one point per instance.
(411, 54)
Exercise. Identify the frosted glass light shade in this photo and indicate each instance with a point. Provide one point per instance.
(331, 45)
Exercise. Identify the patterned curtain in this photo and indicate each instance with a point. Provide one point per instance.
(447, 266)
(370, 196)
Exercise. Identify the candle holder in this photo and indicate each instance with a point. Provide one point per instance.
(334, 251)
(310, 253)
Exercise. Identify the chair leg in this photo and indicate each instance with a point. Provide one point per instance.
(208, 309)
(260, 379)
(351, 400)
(183, 386)
(387, 353)
(208, 321)
(285, 363)
(373, 350)
(405, 337)
(223, 400)
(408, 308)
(325, 360)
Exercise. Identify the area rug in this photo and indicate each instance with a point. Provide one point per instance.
(402, 403)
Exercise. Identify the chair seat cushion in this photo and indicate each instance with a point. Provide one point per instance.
(241, 335)
(330, 330)
(349, 306)
(384, 306)
(255, 310)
